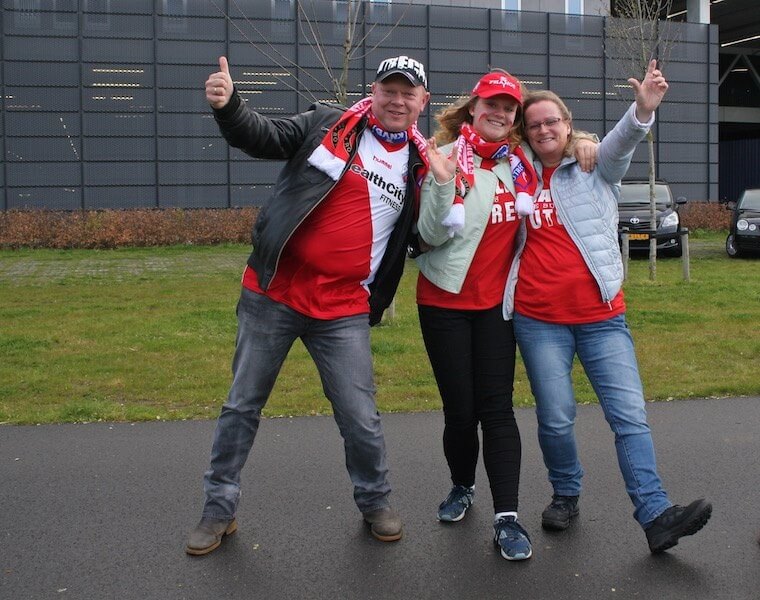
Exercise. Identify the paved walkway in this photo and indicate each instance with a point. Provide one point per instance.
(101, 511)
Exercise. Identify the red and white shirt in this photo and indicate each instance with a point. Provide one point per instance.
(331, 259)
(554, 283)
(484, 283)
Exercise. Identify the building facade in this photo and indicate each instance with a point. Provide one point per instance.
(103, 103)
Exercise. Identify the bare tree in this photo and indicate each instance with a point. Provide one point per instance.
(640, 33)
(357, 30)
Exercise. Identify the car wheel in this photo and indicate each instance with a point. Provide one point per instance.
(731, 248)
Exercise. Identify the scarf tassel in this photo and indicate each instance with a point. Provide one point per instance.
(523, 176)
(454, 220)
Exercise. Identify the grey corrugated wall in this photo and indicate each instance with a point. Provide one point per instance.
(103, 105)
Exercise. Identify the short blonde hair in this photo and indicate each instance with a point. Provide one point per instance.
(535, 96)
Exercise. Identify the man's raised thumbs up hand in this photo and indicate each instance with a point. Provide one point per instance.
(219, 85)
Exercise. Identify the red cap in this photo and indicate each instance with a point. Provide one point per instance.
(497, 84)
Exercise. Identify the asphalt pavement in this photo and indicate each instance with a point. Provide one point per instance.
(101, 511)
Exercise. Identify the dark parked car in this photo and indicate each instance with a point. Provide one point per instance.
(744, 234)
(633, 216)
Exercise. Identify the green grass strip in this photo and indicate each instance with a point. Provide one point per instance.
(148, 333)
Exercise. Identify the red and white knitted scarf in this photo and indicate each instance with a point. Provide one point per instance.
(523, 174)
(331, 155)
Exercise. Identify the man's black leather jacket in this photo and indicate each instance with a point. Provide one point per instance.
(300, 188)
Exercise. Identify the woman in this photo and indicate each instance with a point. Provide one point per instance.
(564, 293)
(468, 216)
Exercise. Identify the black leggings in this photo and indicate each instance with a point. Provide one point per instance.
(472, 353)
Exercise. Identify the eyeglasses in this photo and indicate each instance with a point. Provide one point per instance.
(548, 123)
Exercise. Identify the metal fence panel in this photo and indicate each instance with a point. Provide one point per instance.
(121, 173)
(53, 197)
(119, 197)
(103, 103)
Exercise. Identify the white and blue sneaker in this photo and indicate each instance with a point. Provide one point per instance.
(452, 509)
(511, 539)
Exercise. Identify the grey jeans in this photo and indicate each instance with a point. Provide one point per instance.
(340, 349)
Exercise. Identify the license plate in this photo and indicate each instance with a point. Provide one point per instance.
(638, 236)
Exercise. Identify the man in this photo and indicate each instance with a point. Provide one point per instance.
(328, 253)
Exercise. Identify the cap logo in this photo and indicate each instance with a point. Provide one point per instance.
(404, 63)
(503, 82)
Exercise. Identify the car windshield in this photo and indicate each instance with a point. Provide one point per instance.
(750, 199)
(638, 193)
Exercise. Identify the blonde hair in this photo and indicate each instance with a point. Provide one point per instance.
(533, 97)
(451, 117)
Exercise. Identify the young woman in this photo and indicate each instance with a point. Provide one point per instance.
(565, 296)
(469, 218)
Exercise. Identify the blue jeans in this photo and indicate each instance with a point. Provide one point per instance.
(340, 349)
(605, 349)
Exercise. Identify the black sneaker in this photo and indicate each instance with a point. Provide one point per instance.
(676, 522)
(557, 515)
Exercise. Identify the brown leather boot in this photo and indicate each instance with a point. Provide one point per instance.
(385, 524)
(208, 534)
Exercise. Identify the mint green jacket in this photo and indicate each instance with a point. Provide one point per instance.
(446, 265)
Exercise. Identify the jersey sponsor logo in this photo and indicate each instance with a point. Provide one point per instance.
(389, 188)
(392, 202)
(385, 163)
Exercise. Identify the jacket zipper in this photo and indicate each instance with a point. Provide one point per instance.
(574, 236)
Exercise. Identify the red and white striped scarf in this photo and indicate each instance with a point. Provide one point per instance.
(331, 155)
(523, 174)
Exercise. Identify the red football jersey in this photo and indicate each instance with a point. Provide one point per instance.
(554, 283)
(327, 265)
